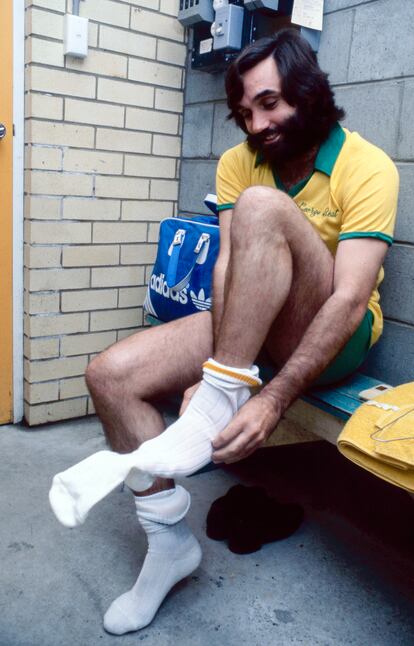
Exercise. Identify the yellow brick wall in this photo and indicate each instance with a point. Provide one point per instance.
(103, 142)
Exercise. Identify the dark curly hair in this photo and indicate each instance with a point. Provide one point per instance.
(303, 84)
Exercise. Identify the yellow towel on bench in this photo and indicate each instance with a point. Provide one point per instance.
(381, 440)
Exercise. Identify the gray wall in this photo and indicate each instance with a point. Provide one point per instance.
(367, 46)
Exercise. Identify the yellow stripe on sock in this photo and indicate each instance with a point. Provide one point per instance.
(250, 381)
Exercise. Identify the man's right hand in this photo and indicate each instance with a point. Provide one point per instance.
(187, 396)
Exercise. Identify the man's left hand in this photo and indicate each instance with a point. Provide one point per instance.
(248, 430)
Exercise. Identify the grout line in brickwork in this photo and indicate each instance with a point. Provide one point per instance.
(105, 102)
(373, 81)
(206, 102)
(348, 58)
(143, 59)
(46, 10)
(111, 52)
(404, 243)
(390, 319)
(123, 163)
(399, 118)
(212, 129)
(138, 32)
(352, 6)
(49, 39)
(148, 9)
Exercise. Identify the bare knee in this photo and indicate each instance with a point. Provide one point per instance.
(257, 198)
(106, 374)
(260, 214)
(263, 207)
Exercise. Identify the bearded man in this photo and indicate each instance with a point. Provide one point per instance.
(307, 212)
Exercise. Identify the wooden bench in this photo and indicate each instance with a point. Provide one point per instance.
(321, 412)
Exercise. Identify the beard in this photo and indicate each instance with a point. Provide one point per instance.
(297, 136)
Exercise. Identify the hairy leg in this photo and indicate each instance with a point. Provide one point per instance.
(122, 380)
(126, 378)
(155, 362)
(279, 267)
(276, 260)
(280, 274)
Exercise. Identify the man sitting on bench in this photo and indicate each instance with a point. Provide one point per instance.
(307, 211)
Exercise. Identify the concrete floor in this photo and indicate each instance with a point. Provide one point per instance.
(346, 577)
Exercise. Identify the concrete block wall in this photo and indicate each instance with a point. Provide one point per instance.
(103, 142)
(367, 47)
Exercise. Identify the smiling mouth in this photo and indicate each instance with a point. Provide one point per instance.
(271, 139)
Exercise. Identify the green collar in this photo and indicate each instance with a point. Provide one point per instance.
(329, 150)
(327, 154)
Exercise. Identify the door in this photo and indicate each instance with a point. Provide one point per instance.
(6, 211)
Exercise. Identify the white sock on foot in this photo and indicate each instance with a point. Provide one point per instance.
(173, 553)
(182, 449)
(185, 446)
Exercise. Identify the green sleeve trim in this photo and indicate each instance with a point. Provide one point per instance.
(367, 234)
(223, 207)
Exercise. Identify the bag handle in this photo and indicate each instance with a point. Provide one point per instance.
(200, 253)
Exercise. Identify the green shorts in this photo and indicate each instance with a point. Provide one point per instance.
(344, 364)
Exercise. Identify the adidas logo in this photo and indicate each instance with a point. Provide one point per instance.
(201, 302)
(159, 285)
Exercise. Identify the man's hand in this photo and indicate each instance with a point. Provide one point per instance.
(187, 396)
(248, 430)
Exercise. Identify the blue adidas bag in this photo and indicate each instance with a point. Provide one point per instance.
(181, 280)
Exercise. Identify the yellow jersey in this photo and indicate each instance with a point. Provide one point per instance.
(351, 193)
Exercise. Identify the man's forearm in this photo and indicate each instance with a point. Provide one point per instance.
(330, 330)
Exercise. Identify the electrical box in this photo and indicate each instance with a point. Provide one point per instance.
(228, 27)
(195, 11)
(251, 5)
(233, 24)
(75, 39)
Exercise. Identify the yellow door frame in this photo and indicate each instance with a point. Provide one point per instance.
(6, 213)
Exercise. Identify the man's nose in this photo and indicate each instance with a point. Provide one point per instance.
(259, 123)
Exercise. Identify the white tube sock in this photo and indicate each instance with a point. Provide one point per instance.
(75, 491)
(185, 446)
(173, 553)
(181, 450)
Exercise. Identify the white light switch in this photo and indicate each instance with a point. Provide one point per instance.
(75, 41)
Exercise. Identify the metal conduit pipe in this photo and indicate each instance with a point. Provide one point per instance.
(75, 7)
